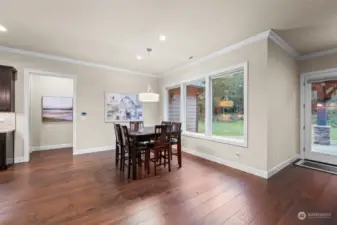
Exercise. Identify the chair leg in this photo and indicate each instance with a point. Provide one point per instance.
(171, 151)
(129, 166)
(169, 157)
(147, 161)
(139, 158)
(155, 163)
(122, 163)
(164, 158)
(117, 153)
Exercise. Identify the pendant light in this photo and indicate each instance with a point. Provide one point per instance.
(148, 96)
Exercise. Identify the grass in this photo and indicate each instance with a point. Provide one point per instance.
(223, 128)
(236, 129)
(333, 134)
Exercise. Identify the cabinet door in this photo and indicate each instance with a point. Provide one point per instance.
(5, 89)
(12, 93)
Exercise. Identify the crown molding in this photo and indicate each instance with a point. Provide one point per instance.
(72, 61)
(317, 54)
(273, 36)
(269, 34)
(261, 36)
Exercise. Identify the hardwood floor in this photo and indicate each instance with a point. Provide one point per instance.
(57, 188)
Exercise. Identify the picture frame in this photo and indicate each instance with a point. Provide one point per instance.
(56, 109)
(120, 107)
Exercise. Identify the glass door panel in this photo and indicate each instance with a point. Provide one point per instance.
(322, 121)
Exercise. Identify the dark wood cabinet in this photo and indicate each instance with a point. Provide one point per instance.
(7, 104)
(7, 89)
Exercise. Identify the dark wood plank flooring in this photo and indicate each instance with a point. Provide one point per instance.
(57, 188)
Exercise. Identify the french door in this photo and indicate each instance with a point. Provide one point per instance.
(320, 118)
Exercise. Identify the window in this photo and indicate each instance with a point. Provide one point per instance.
(174, 104)
(228, 105)
(195, 107)
(213, 107)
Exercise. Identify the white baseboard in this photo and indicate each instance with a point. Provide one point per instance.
(19, 160)
(16, 160)
(282, 165)
(50, 147)
(235, 165)
(93, 150)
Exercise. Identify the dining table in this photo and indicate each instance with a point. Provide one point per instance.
(147, 134)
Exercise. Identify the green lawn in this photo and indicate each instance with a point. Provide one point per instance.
(236, 129)
(333, 134)
(223, 128)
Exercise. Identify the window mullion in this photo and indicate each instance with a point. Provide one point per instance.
(208, 107)
(183, 106)
(166, 104)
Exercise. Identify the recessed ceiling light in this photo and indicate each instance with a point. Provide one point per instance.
(3, 28)
(139, 57)
(162, 38)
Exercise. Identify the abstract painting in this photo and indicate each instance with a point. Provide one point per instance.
(55, 109)
(122, 107)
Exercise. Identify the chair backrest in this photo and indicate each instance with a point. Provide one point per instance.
(136, 125)
(166, 123)
(175, 130)
(118, 133)
(162, 133)
(126, 137)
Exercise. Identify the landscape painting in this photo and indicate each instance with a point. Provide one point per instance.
(122, 107)
(56, 109)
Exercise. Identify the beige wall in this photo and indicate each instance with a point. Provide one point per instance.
(321, 63)
(255, 155)
(49, 133)
(91, 84)
(283, 106)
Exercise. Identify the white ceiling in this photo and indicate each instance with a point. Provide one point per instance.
(113, 32)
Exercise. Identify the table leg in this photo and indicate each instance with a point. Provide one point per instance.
(179, 150)
(134, 160)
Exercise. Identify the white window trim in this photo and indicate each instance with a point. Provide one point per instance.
(185, 105)
(208, 105)
(165, 94)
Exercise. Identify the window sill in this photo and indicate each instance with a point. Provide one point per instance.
(224, 140)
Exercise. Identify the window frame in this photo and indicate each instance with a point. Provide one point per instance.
(185, 106)
(166, 104)
(209, 105)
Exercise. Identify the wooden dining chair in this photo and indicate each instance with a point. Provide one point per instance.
(141, 150)
(136, 125)
(174, 137)
(166, 123)
(127, 148)
(161, 148)
(119, 142)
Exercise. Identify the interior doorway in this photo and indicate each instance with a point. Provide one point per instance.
(319, 117)
(50, 111)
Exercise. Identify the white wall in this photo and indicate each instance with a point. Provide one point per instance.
(44, 134)
(283, 83)
(255, 156)
(91, 84)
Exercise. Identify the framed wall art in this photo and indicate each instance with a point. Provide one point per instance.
(122, 107)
